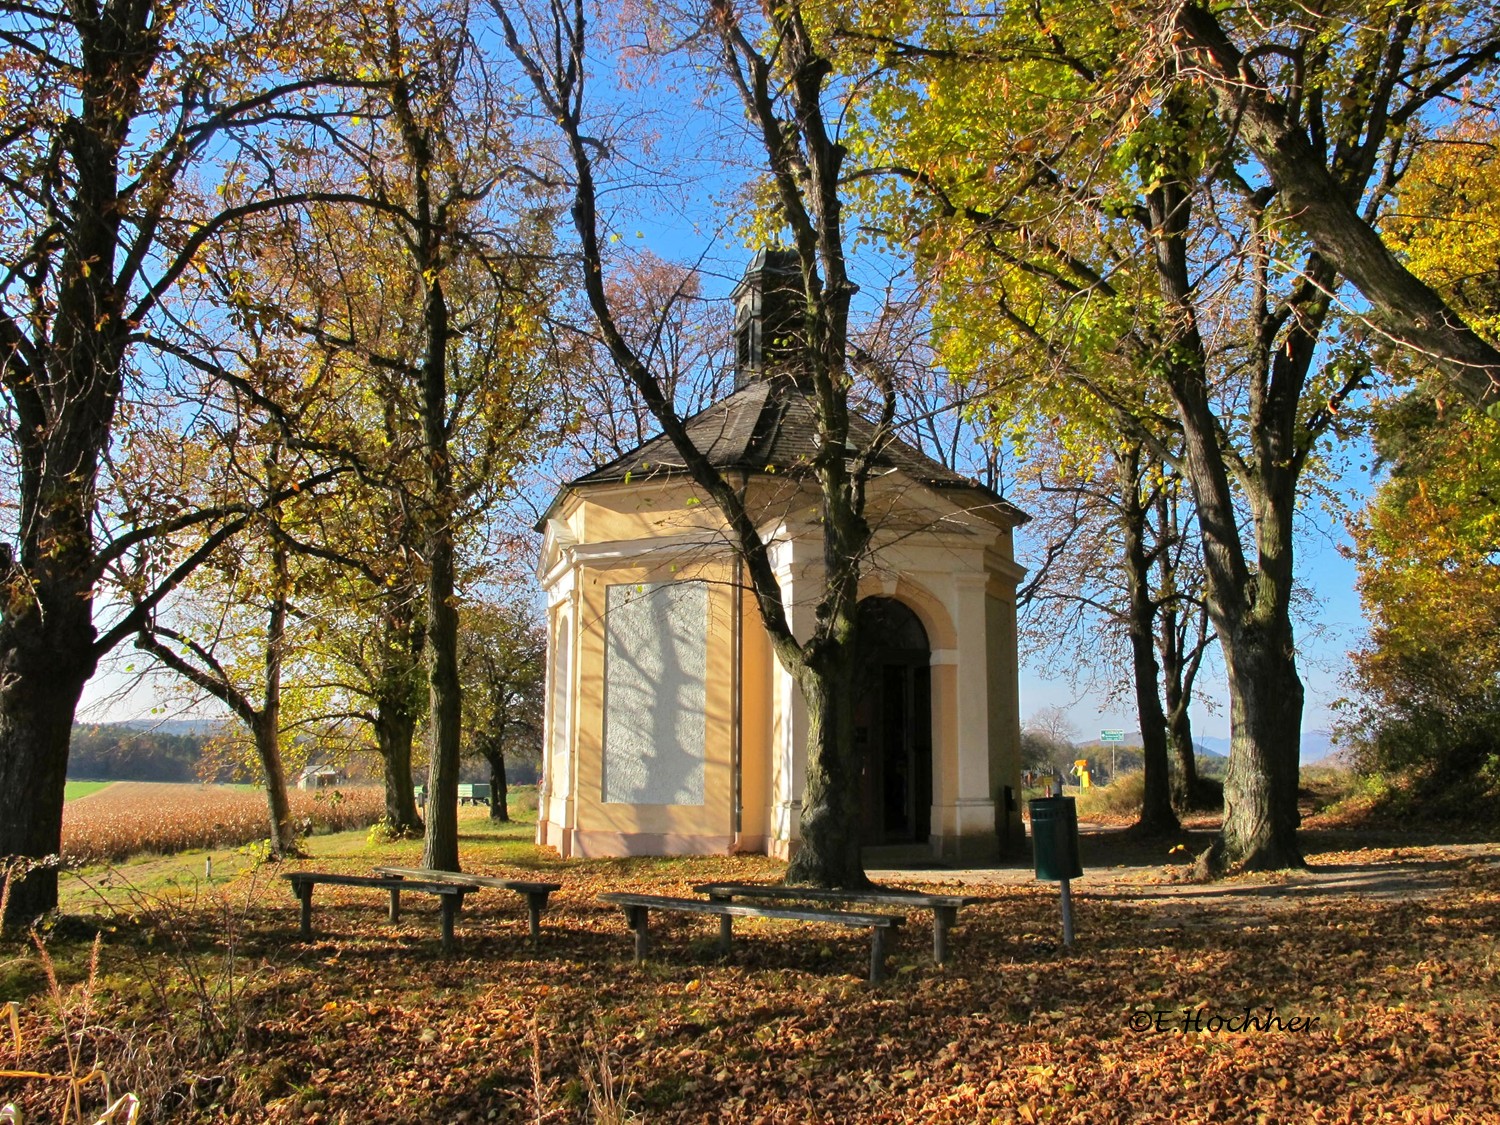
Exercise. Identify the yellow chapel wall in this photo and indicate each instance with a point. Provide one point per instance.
(613, 828)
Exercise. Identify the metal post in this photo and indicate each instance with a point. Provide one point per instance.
(942, 918)
(1067, 913)
(304, 892)
(877, 953)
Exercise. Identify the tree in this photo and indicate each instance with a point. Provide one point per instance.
(1117, 223)
(117, 112)
(1114, 595)
(416, 272)
(1271, 98)
(781, 71)
(1428, 712)
(1100, 210)
(503, 659)
(664, 314)
(238, 649)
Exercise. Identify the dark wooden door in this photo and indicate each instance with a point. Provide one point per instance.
(893, 725)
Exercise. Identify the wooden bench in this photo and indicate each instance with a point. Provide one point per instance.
(638, 907)
(451, 896)
(944, 907)
(534, 893)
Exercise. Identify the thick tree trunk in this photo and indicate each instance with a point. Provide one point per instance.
(1248, 604)
(1260, 788)
(267, 735)
(499, 793)
(400, 696)
(828, 853)
(61, 397)
(42, 685)
(394, 733)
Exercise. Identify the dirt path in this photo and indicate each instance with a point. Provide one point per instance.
(1340, 864)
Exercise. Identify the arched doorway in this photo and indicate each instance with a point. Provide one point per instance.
(893, 724)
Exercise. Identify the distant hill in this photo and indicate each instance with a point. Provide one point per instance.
(1317, 745)
(1206, 747)
(199, 728)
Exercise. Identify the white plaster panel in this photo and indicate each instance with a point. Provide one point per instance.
(655, 662)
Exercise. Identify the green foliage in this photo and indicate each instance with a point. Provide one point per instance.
(381, 832)
(502, 660)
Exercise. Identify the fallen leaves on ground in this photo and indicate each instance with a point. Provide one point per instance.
(1242, 1007)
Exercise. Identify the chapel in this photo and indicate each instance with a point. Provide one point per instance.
(670, 726)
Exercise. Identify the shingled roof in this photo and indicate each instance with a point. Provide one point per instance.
(770, 426)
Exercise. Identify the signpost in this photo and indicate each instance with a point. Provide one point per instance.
(1116, 737)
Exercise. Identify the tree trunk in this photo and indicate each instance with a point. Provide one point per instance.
(42, 685)
(267, 735)
(440, 846)
(399, 698)
(828, 853)
(499, 794)
(1187, 793)
(61, 395)
(1260, 788)
(265, 724)
(1248, 604)
(1157, 817)
(394, 732)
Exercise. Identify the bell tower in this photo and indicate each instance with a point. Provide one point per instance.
(768, 318)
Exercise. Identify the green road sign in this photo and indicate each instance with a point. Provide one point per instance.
(1111, 736)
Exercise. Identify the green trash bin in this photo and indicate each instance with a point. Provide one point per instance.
(1054, 837)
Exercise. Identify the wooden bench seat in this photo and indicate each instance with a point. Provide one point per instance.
(451, 896)
(535, 893)
(944, 907)
(637, 907)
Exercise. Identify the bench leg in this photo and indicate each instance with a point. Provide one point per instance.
(304, 893)
(942, 918)
(536, 902)
(726, 934)
(878, 938)
(635, 916)
(395, 912)
(450, 910)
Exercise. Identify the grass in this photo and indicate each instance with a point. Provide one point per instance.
(481, 840)
(75, 789)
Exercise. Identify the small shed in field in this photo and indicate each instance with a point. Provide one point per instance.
(319, 777)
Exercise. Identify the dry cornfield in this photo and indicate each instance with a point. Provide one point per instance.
(131, 817)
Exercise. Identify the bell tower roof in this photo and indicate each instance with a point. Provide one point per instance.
(768, 319)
